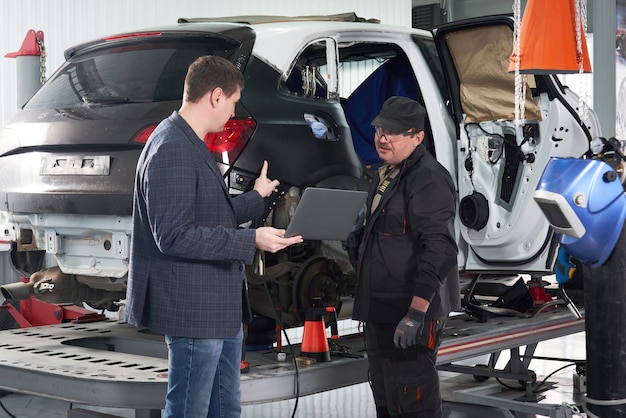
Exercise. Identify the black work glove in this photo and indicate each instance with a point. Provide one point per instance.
(409, 329)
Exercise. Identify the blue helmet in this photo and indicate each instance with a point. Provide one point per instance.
(584, 202)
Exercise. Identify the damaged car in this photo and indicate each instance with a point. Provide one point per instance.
(313, 86)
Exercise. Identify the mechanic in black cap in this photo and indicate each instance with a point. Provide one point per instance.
(407, 265)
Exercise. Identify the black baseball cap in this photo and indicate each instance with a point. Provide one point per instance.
(400, 114)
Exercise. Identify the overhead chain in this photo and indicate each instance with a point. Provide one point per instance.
(520, 79)
(581, 30)
(42, 60)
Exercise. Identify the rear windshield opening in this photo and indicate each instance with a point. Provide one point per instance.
(127, 72)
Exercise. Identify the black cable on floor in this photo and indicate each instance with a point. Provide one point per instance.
(536, 390)
(293, 354)
(552, 374)
(6, 410)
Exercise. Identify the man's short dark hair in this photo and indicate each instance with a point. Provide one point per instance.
(209, 72)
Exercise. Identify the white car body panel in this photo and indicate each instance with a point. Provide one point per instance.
(516, 237)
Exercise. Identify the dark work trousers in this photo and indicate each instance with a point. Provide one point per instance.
(405, 383)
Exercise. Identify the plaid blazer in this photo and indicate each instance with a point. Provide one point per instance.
(186, 275)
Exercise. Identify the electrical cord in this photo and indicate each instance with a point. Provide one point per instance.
(552, 374)
(469, 165)
(280, 323)
(536, 390)
(6, 410)
(503, 137)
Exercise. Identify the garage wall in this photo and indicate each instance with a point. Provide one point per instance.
(68, 22)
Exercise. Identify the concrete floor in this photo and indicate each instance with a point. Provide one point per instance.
(356, 401)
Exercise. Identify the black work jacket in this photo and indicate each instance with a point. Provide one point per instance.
(408, 247)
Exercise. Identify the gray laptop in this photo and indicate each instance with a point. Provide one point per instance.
(326, 214)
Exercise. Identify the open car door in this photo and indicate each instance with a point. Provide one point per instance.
(500, 161)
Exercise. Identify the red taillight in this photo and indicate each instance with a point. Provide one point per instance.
(143, 135)
(227, 145)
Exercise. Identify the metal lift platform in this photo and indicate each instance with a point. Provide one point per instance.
(113, 364)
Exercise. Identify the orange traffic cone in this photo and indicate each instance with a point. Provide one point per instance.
(314, 342)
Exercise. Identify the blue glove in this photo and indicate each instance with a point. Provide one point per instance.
(564, 267)
(409, 329)
(320, 131)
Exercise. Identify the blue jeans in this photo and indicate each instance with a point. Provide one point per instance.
(203, 377)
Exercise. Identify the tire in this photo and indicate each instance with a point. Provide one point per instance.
(479, 378)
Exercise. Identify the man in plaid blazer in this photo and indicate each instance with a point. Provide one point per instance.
(186, 275)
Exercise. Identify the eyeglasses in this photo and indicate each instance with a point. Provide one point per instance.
(380, 133)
